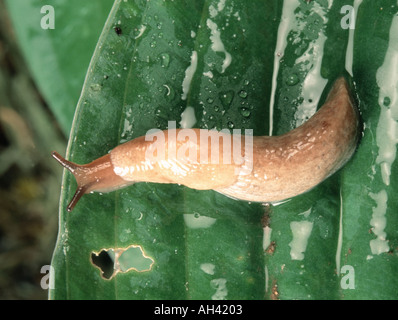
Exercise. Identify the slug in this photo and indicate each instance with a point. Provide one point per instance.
(267, 168)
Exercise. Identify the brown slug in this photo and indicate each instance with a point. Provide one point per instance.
(260, 168)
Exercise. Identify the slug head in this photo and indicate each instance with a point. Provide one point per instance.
(95, 176)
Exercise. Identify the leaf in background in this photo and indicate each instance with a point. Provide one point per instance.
(249, 65)
(58, 58)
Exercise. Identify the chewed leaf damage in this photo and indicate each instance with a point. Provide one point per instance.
(111, 261)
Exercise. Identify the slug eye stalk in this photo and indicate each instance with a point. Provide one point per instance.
(75, 170)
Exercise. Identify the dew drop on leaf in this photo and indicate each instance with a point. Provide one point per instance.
(95, 87)
(292, 79)
(169, 92)
(226, 98)
(243, 94)
(245, 112)
(386, 101)
(164, 60)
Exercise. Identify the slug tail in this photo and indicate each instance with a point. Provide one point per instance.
(77, 171)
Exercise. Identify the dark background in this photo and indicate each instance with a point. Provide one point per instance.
(30, 180)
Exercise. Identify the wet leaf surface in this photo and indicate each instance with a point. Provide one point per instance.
(258, 65)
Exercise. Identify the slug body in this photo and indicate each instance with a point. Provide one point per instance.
(262, 168)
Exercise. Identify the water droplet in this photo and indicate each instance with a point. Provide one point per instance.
(196, 215)
(169, 92)
(95, 87)
(245, 112)
(386, 101)
(216, 108)
(230, 124)
(292, 79)
(210, 100)
(164, 60)
(153, 44)
(243, 94)
(246, 82)
(226, 98)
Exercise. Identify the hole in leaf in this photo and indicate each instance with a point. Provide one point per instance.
(104, 262)
(112, 261)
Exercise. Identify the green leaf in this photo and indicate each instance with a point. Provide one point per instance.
(274, 67)
(58, 58)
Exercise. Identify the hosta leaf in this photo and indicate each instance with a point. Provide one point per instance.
(261, 65)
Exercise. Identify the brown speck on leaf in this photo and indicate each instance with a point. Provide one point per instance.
(118, 31)
(271, 248)
(274, 291)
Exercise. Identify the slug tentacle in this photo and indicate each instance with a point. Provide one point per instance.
(262, 169)
(78, 172)
(76, 197)
(72, 167)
